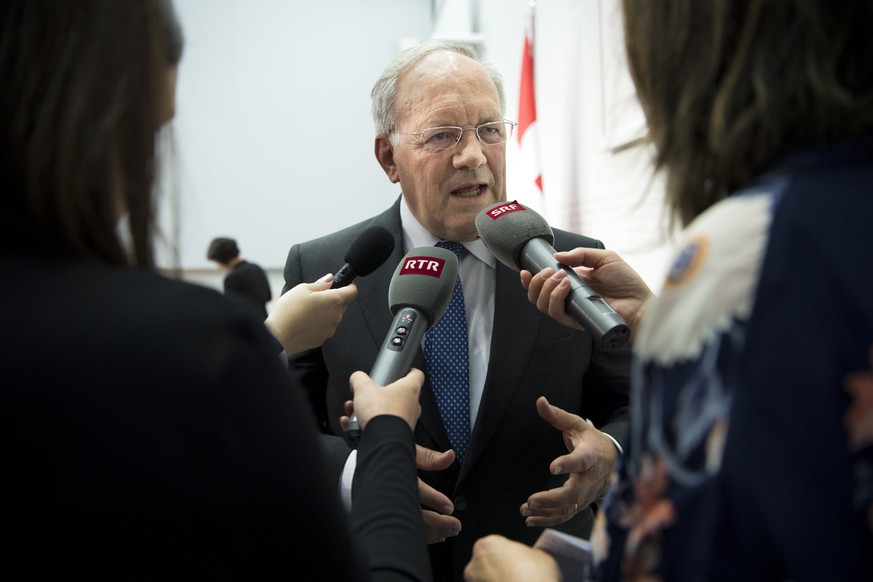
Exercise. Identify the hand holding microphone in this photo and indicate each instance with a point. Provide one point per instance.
(420, 291)
(306, 315)
(398, 398)
(605, 271)
(521, 239)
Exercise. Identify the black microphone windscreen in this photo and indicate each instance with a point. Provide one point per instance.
(424, 280)
(506, 227)
(372, 248)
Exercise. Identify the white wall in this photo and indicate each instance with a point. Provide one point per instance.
(275, 133)
(273, 119)
(586, 108)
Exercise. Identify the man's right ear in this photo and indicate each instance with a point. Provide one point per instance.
(384, 150)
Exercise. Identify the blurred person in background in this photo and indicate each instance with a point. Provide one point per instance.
(244, 280)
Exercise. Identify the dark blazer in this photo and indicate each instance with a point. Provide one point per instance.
(510, 447)
(149, 433)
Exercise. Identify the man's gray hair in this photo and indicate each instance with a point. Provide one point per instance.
(384, 93)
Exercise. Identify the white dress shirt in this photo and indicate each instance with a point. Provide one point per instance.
(478, 274)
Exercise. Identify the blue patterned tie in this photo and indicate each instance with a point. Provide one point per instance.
(445, 349)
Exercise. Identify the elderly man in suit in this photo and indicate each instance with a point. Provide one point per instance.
(440, 134)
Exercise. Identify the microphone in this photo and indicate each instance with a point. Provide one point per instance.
(420, 291)
(372, 248)
(522, 239)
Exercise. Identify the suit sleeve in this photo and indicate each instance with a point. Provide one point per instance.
(607, 405)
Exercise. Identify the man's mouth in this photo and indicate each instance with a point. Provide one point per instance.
(469, 191)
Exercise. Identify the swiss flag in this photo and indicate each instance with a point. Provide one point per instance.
(528, 139)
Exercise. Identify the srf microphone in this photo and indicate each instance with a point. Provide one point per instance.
(522, 239)
(372, 248)
(419, 294)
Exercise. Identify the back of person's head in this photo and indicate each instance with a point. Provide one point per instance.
(174, 39)
(82, 88)
(222, 250)
(174, 44)
(731, 86)
(384, 93)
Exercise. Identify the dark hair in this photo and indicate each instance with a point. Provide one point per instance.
(222, 250)
(731, 86)
(82, 88)
(174, 39)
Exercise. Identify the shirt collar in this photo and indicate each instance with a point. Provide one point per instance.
(416, 235)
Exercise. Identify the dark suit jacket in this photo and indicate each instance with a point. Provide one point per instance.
(148, 433)
(510, 447)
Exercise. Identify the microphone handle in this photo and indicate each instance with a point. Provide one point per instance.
(586, 306)
(344, 276)
(395, 357)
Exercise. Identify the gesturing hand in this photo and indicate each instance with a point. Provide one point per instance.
(589, 464)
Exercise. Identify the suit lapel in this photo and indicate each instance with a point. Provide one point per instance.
(373, 289)
(516, 326)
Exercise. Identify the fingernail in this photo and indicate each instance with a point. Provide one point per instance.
(558, 470)
(326, 278)
(533, 504)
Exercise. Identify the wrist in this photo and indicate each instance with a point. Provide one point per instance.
(640, 315)
(276, 331)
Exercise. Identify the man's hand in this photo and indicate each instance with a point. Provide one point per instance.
(438, 521)
(589, 463)
(439, 524)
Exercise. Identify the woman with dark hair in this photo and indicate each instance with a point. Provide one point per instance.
(148, 427)
(751, 455)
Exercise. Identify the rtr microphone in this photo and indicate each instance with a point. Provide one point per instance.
(372, 248)
(419, 294)
(522, 239)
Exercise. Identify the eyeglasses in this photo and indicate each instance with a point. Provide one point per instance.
(446, 137)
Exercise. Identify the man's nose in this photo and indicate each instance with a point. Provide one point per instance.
(469, 151)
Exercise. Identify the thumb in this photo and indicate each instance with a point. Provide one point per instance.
(583, 257)
(324, 283)
(557, 417)
(431, 460)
